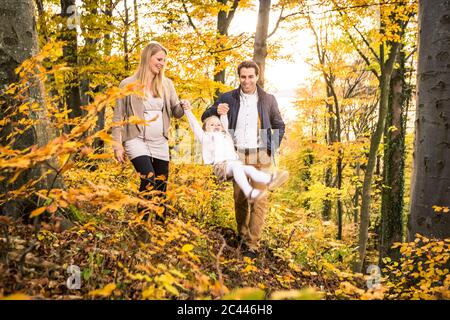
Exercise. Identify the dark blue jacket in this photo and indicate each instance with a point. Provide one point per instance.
(268, 112)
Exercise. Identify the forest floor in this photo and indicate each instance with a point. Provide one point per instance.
(194, 255)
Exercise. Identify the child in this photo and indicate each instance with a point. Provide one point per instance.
(218, 150)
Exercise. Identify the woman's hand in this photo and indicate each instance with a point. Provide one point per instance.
(185, 104)
(119, 154)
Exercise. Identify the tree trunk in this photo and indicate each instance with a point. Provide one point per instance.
(394, 164)
(107, 41)
(42, 21)
(356, 196)
(136, 23)
(431, 174)
(386, 72)
(125, 37)
(219, 73)
(337, 112)
(260, 49)
(331, 138)
(107, 47)
(18, 43)
(339, 187)
(72, 98)
(88, 52)
(44, 38)
(326, 204)
(223, 23)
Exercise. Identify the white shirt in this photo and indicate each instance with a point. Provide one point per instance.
(246, 133)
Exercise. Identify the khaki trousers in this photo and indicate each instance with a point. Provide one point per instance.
(250, 217)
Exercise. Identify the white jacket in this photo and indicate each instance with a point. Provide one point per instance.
(216, 146)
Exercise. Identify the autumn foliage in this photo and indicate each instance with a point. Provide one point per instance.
(81, 205)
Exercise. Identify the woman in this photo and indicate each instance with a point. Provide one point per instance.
(147, 145)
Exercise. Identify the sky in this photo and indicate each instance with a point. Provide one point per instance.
(283, 77)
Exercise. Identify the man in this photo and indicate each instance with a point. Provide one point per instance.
(257, 128)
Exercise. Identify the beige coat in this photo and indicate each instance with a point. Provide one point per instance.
(133, 105)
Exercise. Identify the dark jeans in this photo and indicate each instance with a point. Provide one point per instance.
(154, 174)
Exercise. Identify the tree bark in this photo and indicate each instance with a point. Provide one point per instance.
(41, 20)
(125, 36)
(260, 49)
(356, 196)
(72, 97)
(394, 164)
(386, 72)
(223, 23)
(431, 171)
(88, 51)
(136, 23)
(98, 143)
(330, 139)
(19, 42)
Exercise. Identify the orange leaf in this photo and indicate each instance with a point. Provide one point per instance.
(16, 296)
(38, 211)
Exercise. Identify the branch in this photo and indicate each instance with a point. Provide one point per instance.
(233, 47)
(368, 44)
(280, 18)
(411, 53)
(363, 56)
(189, 17)
(358, 6)
(231, 13)
(348, 93)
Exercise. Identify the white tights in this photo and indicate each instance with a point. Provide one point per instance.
(241, 173)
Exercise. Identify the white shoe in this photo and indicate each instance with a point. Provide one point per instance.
(277, 179)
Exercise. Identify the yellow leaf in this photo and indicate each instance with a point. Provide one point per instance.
(104, 292)
(171, 289)
(249, 268)
(304, 294)
(100, 156)
(187, 247)
(245, 294)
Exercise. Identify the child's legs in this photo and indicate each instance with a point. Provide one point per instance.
(236, 170)
(256, 175)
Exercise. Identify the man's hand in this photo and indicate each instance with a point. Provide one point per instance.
(222, 108)
(119, 154)
(185, 104)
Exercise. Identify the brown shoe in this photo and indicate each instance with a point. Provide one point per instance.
(278, 178)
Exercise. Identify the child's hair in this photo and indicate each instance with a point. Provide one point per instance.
(205, 122)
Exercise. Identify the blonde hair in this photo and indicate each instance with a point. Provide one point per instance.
(207, 120)
(143, 74)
